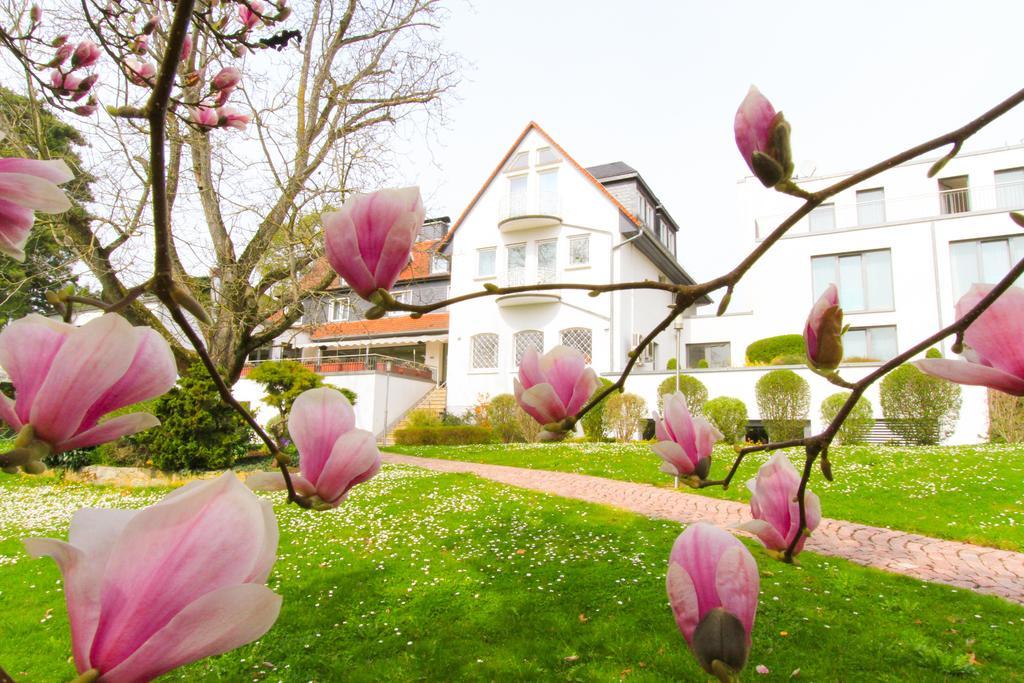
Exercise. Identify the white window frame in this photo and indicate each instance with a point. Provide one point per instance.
(345, 310)
(494, 262)
(820, 211)
(401, 297)
(519, 346)
(869, 308)
(703, 346)
(438, 258)
(867, 330)
(489, 338)
(865, 205)
(979, 262)
(588, 353)
(576, 239)
(520, 161)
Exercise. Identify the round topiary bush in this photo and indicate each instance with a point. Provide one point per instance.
(764, 351)
(857, 424)
(921, 409)
(672, 364)
(729, 415)
(783, 399)
(693, 389)
(593, 423)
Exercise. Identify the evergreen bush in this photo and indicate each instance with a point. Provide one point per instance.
(443, 436)
(692, 388)
(729, 416)
(197, 430)
(764, 351)
(783, 399)
(857, 424)
(503, 414)
(593, 423)
(920, 408)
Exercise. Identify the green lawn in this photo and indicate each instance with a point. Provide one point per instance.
(441, 577)
(966, 493)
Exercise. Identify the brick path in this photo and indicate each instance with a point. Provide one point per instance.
(981, 569)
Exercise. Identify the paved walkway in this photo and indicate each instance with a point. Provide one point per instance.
(981, 569)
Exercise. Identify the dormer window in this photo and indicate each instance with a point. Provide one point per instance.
(519, 162)
(438, 263)
(546, 155)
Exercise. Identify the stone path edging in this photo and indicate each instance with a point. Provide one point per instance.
(977, 568)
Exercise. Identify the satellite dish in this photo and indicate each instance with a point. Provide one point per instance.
(806, 169)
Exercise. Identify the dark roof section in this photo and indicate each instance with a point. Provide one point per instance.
(613, 170)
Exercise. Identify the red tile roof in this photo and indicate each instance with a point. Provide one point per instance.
(430, 322)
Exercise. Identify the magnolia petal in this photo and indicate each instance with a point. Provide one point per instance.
(33, 192)
(266, 481)
(561, 368)
(997, 333)
(318, 417)
(111, 430)
(585, 387)
(341, 247)
(753, 124)
(220, 521)
(52, 170)
(93, 358)
(542, 403)
(705, 436)
(963, 372)
(680, 424)
(529, 368)
(765, 533)
(27, 348)
(682, 596)
(673, 454)
(669, 468)
(8, 414)
(353, 459)
(221, 620)
(737, 583)
(15, 225)
(268, 553)
(401, 235)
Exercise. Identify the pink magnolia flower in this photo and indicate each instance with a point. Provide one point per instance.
(36, 14)
(684, 441)
(86, 54)
(229, 117)
(226, 79)
(713, 587)
(28, 185)
(64, 51)
(774, 507)
(204, 116)
(66, 83)
(139, 72)
(250, 17)
(66, 378)
(762, 136)
(333, 455)
(186, 48)
(87, 109)
(823, 332)
(995, 357)
(369, 240)
(554, 386)
(150, 590)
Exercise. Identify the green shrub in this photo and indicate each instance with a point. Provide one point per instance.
(623, 414)
(933, 353)
(71, 460)
(285, 380)
(729, 415)
(1005, 417)
(857, 424)
(593, 422)
(790, 359)
(921, 409)
(197, 430)
(672, 364)
(702, 363)
(503, 414)
(783, 398)
(421, 417)
(693, 389)
(764, 351)
(443, 436)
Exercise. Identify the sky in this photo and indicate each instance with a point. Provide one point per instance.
(656, 85)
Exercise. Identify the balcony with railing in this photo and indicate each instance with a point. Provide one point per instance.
(337, 363)
(844, 215)
(522, 277)
(524, 211)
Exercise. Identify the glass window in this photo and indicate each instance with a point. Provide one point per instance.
(548, 182)
(954, 197)
(438, 263)
(340, 310)
(517, 203)
(823, 217)
(714, 355)
(485, 262)
(864, 280)
(546, 155)
(645, 212)
(547, 261)
(983, 261)
(516, 265)
(402, 297)
(262, 353)
(484, 352)
(870, 343)
(870, 206)
(579, 250)
(527, 339)
(1010, 188)
(519, 162)
(431, 231)
(578, 338)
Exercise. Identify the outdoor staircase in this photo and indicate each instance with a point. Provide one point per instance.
(435, 401)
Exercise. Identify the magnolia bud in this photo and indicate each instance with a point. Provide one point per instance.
(36, 14)
(63, 52)
(151, 25)
(58, 41)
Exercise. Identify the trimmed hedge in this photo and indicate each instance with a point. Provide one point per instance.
(783, 398)
(593, 423)
(443, 436)
(857, 424)
(729, 415)
(692, 388)
(920, 408)
(764, 351)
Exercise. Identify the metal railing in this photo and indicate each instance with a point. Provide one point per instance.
(533, 204)
(519, 277)
(336, 362)
(850, 214)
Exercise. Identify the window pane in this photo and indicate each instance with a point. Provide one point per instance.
(882, 342)
(823, 273)
(517, 195)
(528, 339)
(851, 283)
(517, 256)
(1010, 188)
(855, 344)
(547, 261)
(995, 260)
(823, 217)
(548, 192)
(519, 162)
(546, 155)
(578, 338)
(485, 262)
(870, 207)
(438, 264)
(485, 351)
(579, 250)
(878, 270)
(964, 257)
(719, 355)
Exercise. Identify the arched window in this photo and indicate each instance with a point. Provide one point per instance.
(484, 352)
(528, 339)
(578, 338)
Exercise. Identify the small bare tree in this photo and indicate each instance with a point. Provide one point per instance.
(623, 413)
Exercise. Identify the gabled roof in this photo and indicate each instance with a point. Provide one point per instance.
(501, 164)
(390, 326)
(612, 170)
